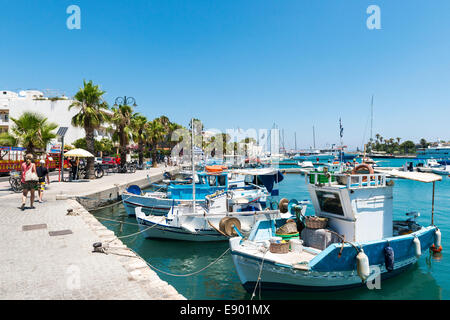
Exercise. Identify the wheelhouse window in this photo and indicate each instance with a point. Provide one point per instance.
(222, 180)
(330, 202)
(212, 180)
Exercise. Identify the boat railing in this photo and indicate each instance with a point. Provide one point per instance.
(351, 181)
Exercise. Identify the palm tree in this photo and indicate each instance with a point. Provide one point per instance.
(91, 115)
(140, 124)
(155, 134)
(121, 118)
(31, 131)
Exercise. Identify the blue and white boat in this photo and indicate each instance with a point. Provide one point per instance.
(255, 185)
(214, 220)
(360, 244)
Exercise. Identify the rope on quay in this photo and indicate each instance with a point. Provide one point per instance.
(107, 251)
(188, 274)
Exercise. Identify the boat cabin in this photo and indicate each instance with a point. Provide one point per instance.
(205, 183)
(358, 206)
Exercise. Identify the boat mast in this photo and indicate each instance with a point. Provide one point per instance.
(314, 138)
(295, 140)
(193, 164)
(371, 119)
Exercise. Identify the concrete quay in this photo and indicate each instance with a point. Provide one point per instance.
(46, 253)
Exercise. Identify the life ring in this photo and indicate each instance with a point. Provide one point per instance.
(363, 167)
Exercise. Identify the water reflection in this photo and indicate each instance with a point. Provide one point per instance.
(423, 280)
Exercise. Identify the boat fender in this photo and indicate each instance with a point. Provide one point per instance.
(437, 238)
(362, 265)
(417, 249)
(436, 247)
(389, 258)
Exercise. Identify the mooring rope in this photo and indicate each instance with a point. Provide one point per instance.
(259, 277)
(188, 274)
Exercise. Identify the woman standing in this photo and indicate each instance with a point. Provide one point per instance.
(29, 180)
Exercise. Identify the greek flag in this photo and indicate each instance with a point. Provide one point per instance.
(341, 129)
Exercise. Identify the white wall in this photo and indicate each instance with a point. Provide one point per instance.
(56, 111)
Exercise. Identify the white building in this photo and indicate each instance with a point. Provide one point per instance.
(55, 109)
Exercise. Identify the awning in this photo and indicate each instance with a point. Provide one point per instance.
(268, 176)
(416, 176)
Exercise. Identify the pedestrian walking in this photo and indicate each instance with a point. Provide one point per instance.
(29, 180)
(42, 173)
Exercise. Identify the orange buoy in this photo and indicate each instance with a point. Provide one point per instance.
(215, 168)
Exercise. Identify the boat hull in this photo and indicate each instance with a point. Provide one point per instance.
(163, 231)
(196, 228)
(326, 271)
(151, 205)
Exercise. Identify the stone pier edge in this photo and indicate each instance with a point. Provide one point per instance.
(135, 265)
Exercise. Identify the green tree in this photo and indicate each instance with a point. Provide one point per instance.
(423, 143)
(91, 115)
(31, 131)
(121, 118)
(140, 124)
(408, 147)
(155, 134)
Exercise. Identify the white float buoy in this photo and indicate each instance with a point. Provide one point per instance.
(437, 238)
(362, 265)
(417, 249)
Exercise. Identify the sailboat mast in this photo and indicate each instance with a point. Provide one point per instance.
(371, 119)
(314, 138)
(295, 140)
(193, 164)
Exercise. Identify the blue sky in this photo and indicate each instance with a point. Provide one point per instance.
(245, 64)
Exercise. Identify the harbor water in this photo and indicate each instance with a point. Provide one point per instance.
(178, 262)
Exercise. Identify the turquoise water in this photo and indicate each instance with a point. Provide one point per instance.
(382, 162)
(427, 279)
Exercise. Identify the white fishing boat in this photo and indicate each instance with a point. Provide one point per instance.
(351, 240)
(216, 220)
(252, 184)
(442, 170)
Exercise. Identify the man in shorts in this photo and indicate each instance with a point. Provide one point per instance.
(42, 173)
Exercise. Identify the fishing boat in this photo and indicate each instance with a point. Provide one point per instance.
(217, 219)
(437, 151)
(442, 170)
(252, 184)
(350, 241)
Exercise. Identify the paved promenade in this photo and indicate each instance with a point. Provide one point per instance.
(46, 253)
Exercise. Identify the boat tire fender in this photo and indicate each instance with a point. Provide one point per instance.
(389, 258)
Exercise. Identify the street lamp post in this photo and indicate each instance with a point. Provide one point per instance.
(125, 101)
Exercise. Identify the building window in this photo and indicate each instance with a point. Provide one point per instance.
(330, 202)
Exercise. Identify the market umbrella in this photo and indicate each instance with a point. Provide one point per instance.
(80, 153)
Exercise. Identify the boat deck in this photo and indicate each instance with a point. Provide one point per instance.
(291, 259)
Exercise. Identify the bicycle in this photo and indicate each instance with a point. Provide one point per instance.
(126, 168)
(98, 171)
(15, 180)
